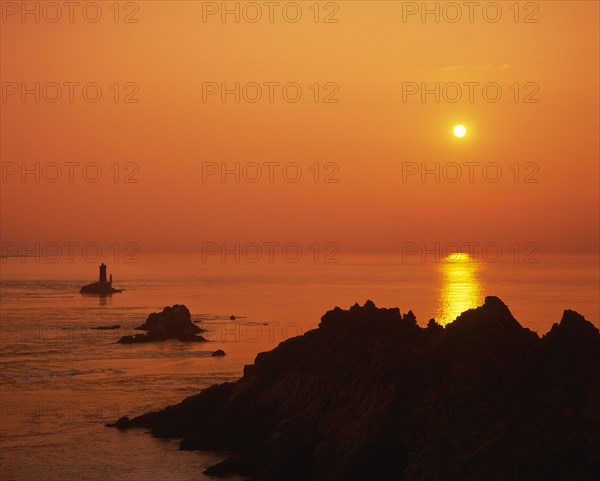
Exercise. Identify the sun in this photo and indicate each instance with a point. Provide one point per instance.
(460, 131)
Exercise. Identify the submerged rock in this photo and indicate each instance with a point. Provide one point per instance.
(371, 395)
(172, 323)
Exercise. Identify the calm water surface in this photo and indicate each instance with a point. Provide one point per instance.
(61, 380)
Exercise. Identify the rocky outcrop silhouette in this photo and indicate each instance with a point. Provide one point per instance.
(172, 323)
(371, 395)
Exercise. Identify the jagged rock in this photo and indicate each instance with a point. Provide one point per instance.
(172, 323)
(371, 395)
(432, 325)
(172, 318)
(121, 423)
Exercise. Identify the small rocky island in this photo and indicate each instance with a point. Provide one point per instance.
(172, 323)
(371, 395)
(101, 288)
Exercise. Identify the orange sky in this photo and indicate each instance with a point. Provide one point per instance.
(170, 133)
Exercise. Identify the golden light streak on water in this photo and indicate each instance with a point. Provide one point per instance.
(461, 289)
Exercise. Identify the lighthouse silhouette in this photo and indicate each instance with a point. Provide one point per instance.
(101, 288)
(102, 272)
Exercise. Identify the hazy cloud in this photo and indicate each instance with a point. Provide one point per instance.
(454, 68)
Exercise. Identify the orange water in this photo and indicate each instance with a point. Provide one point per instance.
(61, 381)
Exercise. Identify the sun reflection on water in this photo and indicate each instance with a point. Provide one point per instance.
(460, 288)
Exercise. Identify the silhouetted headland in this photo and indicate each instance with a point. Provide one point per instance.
(101, 288)
(371, 395)
(172, 323)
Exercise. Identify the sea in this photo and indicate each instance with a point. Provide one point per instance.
(62, 380)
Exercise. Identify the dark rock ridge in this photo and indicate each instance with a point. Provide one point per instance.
(370, 395)
(172, 323)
